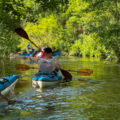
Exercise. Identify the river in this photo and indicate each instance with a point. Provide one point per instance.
(92, 97)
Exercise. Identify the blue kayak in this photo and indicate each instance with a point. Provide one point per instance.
(8, 83)
(56, 53)
(20, 55)
(26, 55)
(42, 81)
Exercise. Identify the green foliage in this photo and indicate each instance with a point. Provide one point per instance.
(47, 32)
(11, 12)
(53, 5)
(42, 32)
(14, 13)
(8, 43)
(94, 17)
(87, 45)
(75, 27)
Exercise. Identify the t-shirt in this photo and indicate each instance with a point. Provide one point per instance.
(46, 65)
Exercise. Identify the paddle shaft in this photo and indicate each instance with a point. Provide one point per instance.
(33, 43)
(33, 67)
(66, 70)
(21, 32)
(80, 71)
(23, 67)
(27, 68)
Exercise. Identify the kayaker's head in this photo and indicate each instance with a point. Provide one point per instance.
(48, 52)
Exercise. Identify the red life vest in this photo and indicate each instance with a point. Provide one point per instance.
(43, 54)
(40, 55)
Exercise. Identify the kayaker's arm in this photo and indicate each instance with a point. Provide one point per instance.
(56, 64)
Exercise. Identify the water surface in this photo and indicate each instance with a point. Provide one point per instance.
(94, 97)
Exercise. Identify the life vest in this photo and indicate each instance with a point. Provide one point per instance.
(43, 54)
(40, 55)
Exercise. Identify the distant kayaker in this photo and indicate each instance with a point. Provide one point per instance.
(47, 64)
(24, 52)
(30, 50)
(36, 52)
(40, 54)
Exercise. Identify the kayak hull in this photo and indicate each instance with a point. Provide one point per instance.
(8, 84)
(19, 56)
(45, 81)
(43, 84)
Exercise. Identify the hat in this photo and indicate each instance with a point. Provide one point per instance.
(48, 50)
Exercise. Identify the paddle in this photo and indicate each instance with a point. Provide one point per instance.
(65, 73)
(84, 72)
(23, 67)
(23, 34)
(9, 101)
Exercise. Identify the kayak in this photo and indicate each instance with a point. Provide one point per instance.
(20, 55)
(56, 53)
(42, 81)
(8, 83)
(27, 55)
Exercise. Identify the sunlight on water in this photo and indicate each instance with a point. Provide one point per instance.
(84, 98)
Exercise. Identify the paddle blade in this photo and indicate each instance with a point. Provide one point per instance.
(22, 67)
(85, 72)
(66, 74)
(22, 33)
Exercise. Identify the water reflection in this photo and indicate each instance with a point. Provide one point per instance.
(85, 97)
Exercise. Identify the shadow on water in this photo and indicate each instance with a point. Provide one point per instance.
(85, 97)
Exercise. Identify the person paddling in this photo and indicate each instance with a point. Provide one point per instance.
(47, 64)
(36, 53)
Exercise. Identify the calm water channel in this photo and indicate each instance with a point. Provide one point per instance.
(95, 97)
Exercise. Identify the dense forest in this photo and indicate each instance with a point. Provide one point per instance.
(73, 27)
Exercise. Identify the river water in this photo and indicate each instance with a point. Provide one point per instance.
(94, 97)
